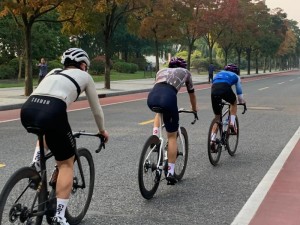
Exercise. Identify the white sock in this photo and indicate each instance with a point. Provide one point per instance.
(232, 119)
(171, 167)
(61, 207)
(155, 131)
(213, 136)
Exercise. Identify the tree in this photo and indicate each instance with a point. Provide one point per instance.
(25, 14)
(104, 16)
(11, 41)
(216, 19)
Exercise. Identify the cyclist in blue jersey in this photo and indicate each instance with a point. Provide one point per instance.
(164, 95)
(221, 90)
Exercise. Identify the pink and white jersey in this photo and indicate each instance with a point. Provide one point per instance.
(176, 77)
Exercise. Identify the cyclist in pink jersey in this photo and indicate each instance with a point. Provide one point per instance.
(164, 95)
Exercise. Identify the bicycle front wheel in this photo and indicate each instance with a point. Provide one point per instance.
(214, 147)
(233, 139)
(182, 154)
(17, 198)
(148, 176)
(81, 196)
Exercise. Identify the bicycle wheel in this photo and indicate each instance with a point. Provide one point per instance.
(214, 148)
(17, 198)
(182, 154)
(148, 177)
(233, 139)
(81, 197)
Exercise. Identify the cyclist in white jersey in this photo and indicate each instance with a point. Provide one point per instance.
(46, 108)
(164, 95)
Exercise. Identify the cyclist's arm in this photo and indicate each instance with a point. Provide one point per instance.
(96, 108)
(193, 101)
(239, 90)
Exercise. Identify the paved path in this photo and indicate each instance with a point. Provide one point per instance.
(276, 200)
(13, 98)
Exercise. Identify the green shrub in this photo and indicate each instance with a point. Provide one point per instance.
(7, 72)
(54, 64)
(124, 67)
(97, 65)
(140, 61)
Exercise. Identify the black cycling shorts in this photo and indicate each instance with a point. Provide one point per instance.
(164, 96)
(50, 114)
(221, 91)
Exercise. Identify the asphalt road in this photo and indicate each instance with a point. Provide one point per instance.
(207, 195)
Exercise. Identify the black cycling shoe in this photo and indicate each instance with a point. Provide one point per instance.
(171, 179)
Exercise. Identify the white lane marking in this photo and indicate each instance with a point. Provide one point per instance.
(292, 80)
(249, 209)
(263, 88)
(281, 83)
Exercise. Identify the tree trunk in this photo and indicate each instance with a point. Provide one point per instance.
(156, 56)
(28, 61)
(248, 52)
(20, 67)
(107, 72)
(256, 62)
(265, 64)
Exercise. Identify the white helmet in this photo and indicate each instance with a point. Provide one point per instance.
(77, 55)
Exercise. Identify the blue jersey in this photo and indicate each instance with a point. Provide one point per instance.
(229, 78)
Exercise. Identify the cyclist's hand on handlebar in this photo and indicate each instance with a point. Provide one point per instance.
(105, 134)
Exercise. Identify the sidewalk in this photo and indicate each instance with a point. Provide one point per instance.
(13, 98)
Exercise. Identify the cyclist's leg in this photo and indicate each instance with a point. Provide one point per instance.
(60, 140)
(62, 145)
(171, 125)
(215, 101)
(230, 97)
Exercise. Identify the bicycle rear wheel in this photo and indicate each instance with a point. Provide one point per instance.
(214, 148)
(233, 139)
(81, 197)
(147, 175)
(182, 154)
(17, 198)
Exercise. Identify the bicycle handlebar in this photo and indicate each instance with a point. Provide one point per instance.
(243, 104)
(245, 107)
(100, 136)
(190, 111)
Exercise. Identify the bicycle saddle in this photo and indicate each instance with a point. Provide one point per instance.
(157, 109)
(35, 130)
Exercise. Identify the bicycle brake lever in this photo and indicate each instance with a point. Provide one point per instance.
(196, 118)
(245, 109)
(102, 144)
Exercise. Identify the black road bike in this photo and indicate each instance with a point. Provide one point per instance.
(28, 198)
(226, 139)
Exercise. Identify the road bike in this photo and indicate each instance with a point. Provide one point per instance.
(226, 139)
(154, 160)
(28, 198)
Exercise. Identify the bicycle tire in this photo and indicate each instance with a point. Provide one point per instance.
(182, 155)
(215, 153)
(79, 201)
(232, 140)
(148, 167)
(21, 199)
